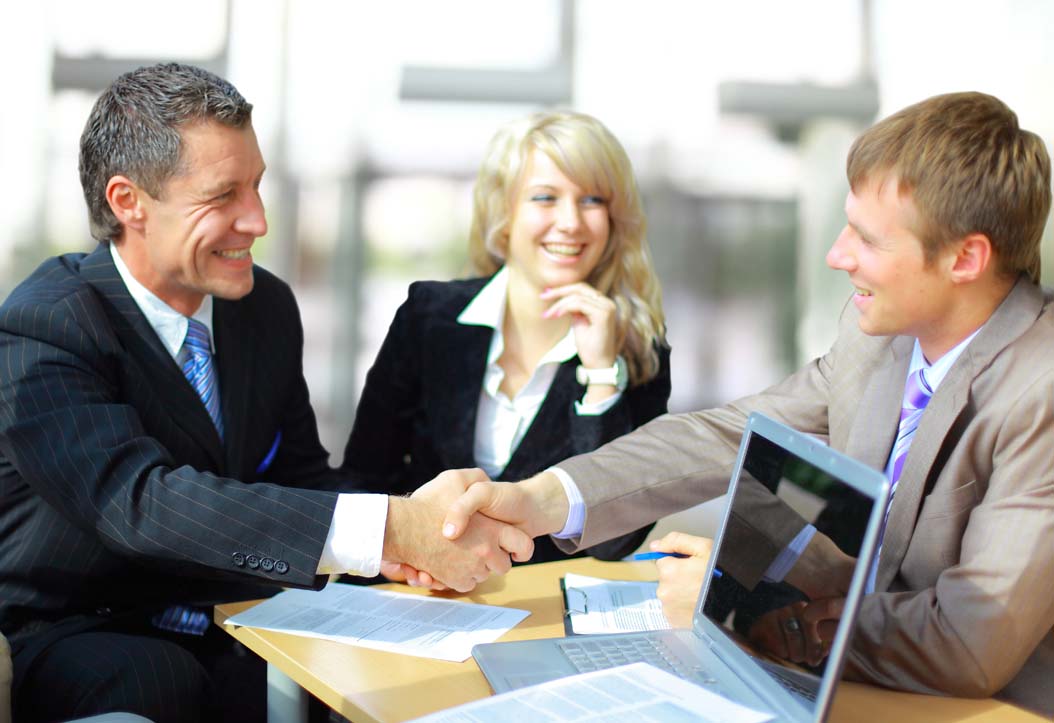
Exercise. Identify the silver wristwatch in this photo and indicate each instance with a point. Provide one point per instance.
(617, 375)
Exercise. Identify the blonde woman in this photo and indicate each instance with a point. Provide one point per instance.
(555, 348)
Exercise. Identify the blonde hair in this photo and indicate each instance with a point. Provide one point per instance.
(587, 153)
(970, 168)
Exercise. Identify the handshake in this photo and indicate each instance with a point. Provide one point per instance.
(460, 528)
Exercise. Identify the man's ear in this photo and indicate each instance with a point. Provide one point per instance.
(973, 256)
(126, 202)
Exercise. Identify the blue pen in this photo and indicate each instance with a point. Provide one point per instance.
(657, 555)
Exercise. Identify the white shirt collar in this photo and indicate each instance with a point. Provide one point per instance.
(935, 373)
(487, 308)
(170, 325)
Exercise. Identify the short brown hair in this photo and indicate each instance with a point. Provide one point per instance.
(969, 168)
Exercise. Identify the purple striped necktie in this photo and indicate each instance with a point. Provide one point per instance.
(200, 371)
(917, 395)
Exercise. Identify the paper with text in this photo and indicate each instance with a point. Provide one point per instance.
(631, 693)
(420, 625)
(612, 606)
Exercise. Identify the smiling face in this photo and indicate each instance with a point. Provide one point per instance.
(196, 238)
(557, 231)
(897, 290)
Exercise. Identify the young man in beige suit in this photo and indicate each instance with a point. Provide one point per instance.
(947, 205)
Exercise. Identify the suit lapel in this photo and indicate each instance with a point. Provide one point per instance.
(235, 368)
(941, 412)
(1013, 317)
(459, 363)
(142, 343)
(537, 443)
(875, 426)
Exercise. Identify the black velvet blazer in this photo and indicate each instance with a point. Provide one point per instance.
(417, 414)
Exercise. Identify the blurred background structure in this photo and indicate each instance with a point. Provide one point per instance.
(373, 117)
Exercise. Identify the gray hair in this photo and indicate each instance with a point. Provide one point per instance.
(133, 130)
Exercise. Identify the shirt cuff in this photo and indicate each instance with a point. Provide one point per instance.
(356, 536)
(789, 555)
(595, 409)
(576, 506)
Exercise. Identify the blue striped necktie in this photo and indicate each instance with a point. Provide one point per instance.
(200, 371)
(182, 619)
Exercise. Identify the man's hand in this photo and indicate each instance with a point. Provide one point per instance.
(442, 489)
(823, 570)
(681, 579)
(411, 538)
(802, 632)
(538, 506)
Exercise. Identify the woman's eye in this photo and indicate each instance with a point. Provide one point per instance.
(593, 201)
(543, 197)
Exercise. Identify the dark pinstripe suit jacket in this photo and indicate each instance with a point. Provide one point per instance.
(417, 414)
(116, 492)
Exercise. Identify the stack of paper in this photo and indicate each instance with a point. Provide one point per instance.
(612, 606)
(632, 693)
(420, 625)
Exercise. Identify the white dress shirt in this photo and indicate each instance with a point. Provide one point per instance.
(356, 535)
(502, 423)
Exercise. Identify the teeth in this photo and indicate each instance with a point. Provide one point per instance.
(862, 292)
(233, 253)
(564, 249)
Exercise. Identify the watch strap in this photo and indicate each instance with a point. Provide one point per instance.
(615, 375)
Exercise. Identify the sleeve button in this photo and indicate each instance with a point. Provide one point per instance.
(281, 567)
(267, 564)
(252, 561)
(238, 559)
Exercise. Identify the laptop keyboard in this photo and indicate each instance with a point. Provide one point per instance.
(599, 654)
(791, 684)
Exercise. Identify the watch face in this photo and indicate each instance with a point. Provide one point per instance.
(621, 373)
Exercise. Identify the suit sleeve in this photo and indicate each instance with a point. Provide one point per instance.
(380, 437)
(680, 460)
(65, 428)
(638, 405)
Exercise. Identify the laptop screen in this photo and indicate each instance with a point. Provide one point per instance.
(791, 500)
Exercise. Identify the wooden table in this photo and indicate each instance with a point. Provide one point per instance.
(371, 685)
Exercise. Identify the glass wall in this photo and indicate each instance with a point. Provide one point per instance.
(373, 117)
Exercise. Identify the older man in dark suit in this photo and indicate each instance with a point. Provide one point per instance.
(157, 446)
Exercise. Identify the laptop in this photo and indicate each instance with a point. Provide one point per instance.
(783, 483)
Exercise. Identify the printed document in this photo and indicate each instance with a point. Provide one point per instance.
(632, 693)
(420, 625)
(595, 605)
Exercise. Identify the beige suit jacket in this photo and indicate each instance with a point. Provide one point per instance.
(965, 601)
